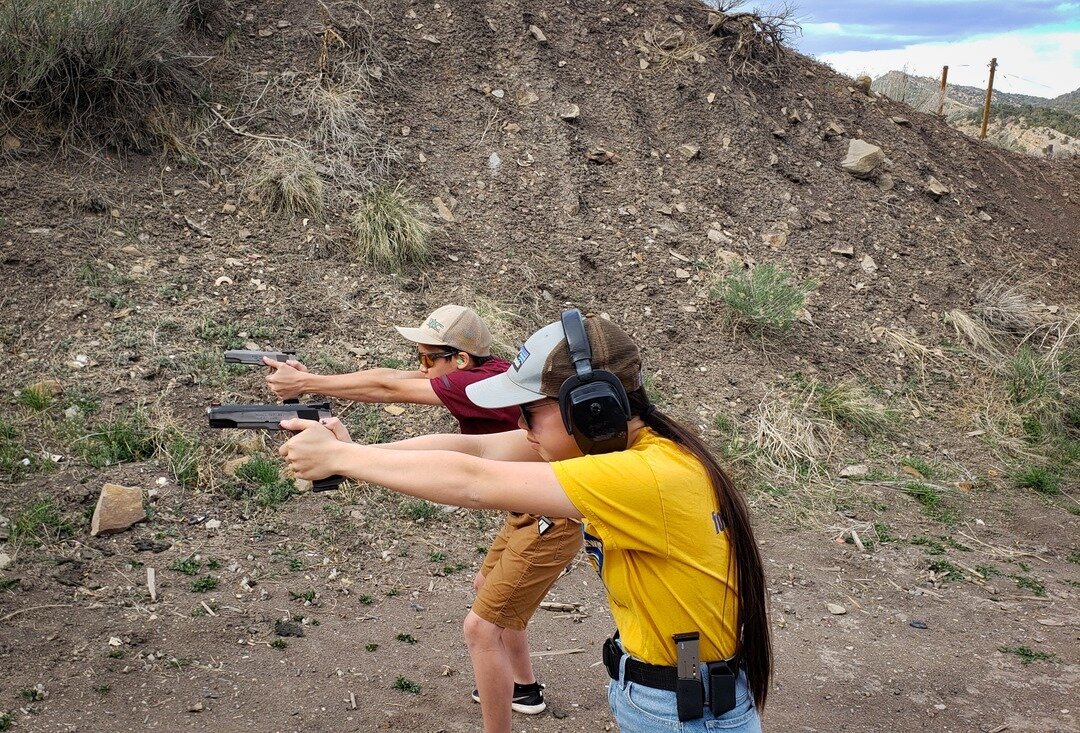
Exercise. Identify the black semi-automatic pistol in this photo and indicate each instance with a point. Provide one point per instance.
(251, 356)
(269, 417)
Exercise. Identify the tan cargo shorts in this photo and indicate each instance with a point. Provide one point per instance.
(522, 565)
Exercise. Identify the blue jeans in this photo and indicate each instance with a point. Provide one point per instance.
(640, 709)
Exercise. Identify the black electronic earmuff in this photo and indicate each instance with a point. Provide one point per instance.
(593, 402)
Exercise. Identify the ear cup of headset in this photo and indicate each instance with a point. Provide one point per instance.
(594, 406)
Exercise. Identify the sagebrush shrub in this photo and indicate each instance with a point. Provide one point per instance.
(389, 230)
(102, 69)
(764, 299)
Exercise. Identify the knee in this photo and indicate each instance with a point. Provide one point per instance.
(480, 633)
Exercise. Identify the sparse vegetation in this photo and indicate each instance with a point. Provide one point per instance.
(263, 483)
(389, 230)
(36, 398)
(204, 584)
(1038, 478)
(852, 405)
(406, 638)
(1026, 654)
(187, 566)
(285, 179)
(15, 460)
(764, 299)
(122, 439)
(406, 685)
(931, 500)
(41, 522)
(371, 646)
(418, 509)
(110, 71)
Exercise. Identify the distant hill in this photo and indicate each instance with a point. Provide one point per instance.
(1021, 122)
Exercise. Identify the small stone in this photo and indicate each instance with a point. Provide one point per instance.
(265, 33)
(793, 116)
(231, 466)
(213, 524)
(774, 239)
(862, 158)
(689, 151)
(857, 470)
(430, 39)
(10, 143)
(868, 264)
(228, 209)
(537, 34)
(394, 410)
(834, 130)
(682, 274)
(917, 624)
(283, 24)
(569, 112)
(444, 211)
(886, 182)
(498, 93)
(118, 508)
(902, 121)
(5, 560)
(836, 609)
(983, 216)
(936, 189)
(196, 708)
(527, 97)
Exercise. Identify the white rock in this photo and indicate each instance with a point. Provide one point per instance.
(213, 524)
(862, 158)
(836, 609)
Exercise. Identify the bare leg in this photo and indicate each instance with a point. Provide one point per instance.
(491, 666)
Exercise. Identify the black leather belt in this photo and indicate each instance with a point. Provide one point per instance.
(642, 673)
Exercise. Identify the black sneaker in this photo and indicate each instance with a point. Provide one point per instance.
(528, 699)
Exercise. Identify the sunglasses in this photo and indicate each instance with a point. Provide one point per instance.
(428, 359)
(528, 409)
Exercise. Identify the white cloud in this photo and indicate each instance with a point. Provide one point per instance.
(1040, 64)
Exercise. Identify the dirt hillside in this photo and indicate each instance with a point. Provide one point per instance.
(922, 558)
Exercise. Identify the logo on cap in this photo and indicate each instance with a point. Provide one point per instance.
(519, 360)
(434, 325)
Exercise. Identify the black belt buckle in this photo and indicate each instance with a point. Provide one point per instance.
(721, 688)
(689, 693)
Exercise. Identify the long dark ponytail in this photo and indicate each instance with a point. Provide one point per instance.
(754, 645)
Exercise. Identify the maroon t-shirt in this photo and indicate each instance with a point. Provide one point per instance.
(475, 420)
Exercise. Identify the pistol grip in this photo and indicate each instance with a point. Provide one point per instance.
(330, 483)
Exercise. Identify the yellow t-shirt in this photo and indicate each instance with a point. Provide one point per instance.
(653, 533)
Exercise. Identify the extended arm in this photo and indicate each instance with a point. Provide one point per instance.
(443, 476)
(290, 379)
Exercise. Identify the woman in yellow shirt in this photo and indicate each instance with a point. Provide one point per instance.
(663, 523)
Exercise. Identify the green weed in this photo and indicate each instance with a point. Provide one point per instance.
(279, 644)
(419, 509)
(406, 685)
(8, 584)
(286, 180)
(37, 399)
(945, 569)
(931, 500)
(366, 600)
(1026, 654)
(389, 230)
(371, 646)
(1031, 584)
(15, 460)
(42, 521)
(307, 596)
(204, 584)
(434, 556)
(6, 721)
(120, 440)
(263, 475)
(932, 547)
(883, 532)
(187, 566)
(852, 405)
(764, 299)
(1038, 478)
(406, 638)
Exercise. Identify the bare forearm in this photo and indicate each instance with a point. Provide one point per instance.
(467, 444)
(457, 478)
(369, 385)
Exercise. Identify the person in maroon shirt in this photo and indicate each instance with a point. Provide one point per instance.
(529, 552)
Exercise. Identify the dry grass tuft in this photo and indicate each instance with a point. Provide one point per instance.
(286, 180)
(1006, 309)
(975, 333)
(666, 47)
(389, 229)
(852, 405)
(790, 439)
(508, 329)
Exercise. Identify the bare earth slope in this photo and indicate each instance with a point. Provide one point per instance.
(124, 277)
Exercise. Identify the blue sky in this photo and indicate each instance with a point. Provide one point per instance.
(1036, 42)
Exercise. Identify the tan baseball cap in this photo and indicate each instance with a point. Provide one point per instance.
(543, 364)
(455, 326)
